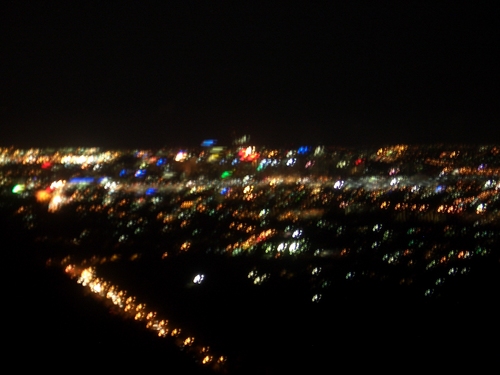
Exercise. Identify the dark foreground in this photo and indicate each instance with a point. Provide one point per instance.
(51, 324)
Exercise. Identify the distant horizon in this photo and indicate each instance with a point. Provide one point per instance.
(250, 143)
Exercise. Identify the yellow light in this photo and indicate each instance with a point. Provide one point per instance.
(207, 359)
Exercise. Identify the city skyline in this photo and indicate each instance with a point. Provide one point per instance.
(245, 260)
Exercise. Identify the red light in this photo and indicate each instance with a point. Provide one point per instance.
(247, 154)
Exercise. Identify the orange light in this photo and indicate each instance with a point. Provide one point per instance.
(43, 196)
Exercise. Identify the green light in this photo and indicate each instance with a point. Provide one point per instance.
(226, 174)
(18, 189)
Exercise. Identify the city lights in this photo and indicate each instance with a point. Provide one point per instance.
(262, 228)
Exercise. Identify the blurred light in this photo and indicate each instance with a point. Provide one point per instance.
(57, 184)
(55, 203)
(81, 180)
(393, 171)
(208, 142)
(150, 191)
(161, 162)
(198, 278)
(319, 150)
(181, 156)
(303, 150)
(338, 184)
(18, 188)
(248, 154)
(42, 196)
(481, 208)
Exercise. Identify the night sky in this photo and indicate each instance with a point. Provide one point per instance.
(153, 74)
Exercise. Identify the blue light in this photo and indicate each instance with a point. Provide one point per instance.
(140, 173)
(150, 191)
(303, 150)
(209, 142)
(81, 180)
(123, 172)
(224, 191)
(161, 162)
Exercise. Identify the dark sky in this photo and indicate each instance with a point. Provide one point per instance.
(172, 73)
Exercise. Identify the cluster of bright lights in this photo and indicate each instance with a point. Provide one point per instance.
(248, 154)
(292, 247)
(79, 159)
(268, 163)
(181, 156)
(338, 184)
(108, 184)
(316, 297)
(128, 305)
(199, 278)
(250, 225)
(258, 277)
(57, 184)
(56, 202)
